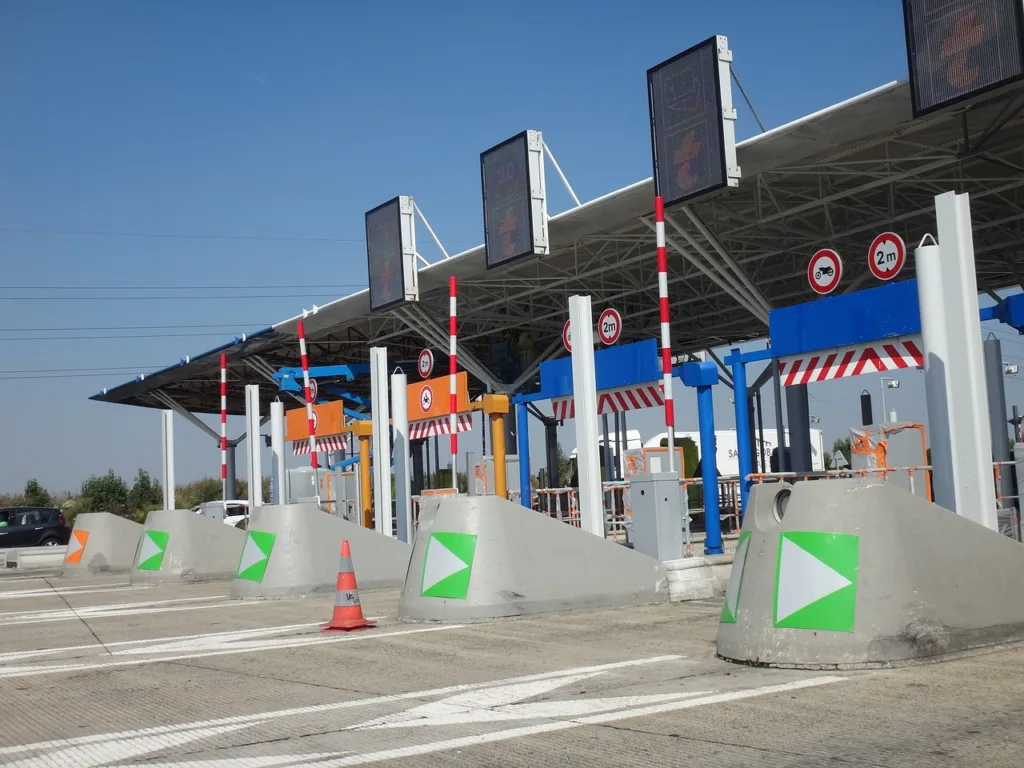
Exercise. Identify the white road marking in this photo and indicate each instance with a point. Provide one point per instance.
(220, 649)
(120, 609)
(104, 750)
(15, 594)
(263, 717)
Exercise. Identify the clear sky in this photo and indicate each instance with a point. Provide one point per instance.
(156, 152)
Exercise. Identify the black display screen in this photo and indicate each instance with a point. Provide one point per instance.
(384, 255)
(508, 222)
(957, 49)
(686, 124)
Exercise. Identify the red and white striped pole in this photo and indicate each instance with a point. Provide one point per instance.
(313, 461)
(453, 400)
(666, 340)
(224, 427)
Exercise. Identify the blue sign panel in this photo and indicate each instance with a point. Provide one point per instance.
(852, 318)
(619, 366)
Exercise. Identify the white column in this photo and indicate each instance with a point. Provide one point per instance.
(253, 445)
(403, 482)
(381, 440)
(167, 432)
(584, 387)
(959, 431)
(279, 473)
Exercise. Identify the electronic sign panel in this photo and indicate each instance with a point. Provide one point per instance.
(688, 135)
(957, 49)
(514, 217)
(386, 256)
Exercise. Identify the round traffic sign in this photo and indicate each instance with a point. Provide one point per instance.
(887, 255)
(609, 326)
(426, 399)
(824, 271)
(425, 363)
(314, 390)
(316, 422)
(567, 337)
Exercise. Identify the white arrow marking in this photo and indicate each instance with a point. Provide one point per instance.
(441, 563)
(803, 579)
(149, 549)
(251, 554)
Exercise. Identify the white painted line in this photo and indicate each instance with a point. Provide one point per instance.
(44, 616)
(242, 646)
(241, 720)
(15, 594)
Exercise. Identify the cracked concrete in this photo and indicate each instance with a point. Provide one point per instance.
(612, 688)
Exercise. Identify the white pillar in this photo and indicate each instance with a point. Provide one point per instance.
(403, 482)
(584, 388)
(253, 445)
(167, 432)
(959, 431)
(381, 440)
(279, 473)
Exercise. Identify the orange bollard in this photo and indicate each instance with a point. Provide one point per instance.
(348, 614)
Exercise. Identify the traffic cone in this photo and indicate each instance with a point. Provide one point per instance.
(348, 614)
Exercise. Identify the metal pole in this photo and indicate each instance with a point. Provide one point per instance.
(224, 430)
(277, 450)
(961, 438)
(585, 393)
(709, 471)
(994, 380)
(780, 424)
(523, 436)
(253, 446)
(761, 463)
(453, 367)
(230, 481)
(403, 481)
(426, 452)
(437, 461)
(1016, 425)
(666, 339)
(885, 413)
(167, 432)
(379, 415)
(739, 389)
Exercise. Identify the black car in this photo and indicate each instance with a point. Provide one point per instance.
(33, 527)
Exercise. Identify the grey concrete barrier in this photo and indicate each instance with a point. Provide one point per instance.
(478, 558)
(101, 543)
(180, 546)
(851, 573)
(35, 558)
(292, 550)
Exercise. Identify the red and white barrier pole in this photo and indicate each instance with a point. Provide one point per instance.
(313, 461)
(666, 340)
(224, 427)
(453, 400)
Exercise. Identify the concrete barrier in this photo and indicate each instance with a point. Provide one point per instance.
(35, 558)
(292, 550)
(478, 558)
(858, 573)
(180, 546)
(101, 543)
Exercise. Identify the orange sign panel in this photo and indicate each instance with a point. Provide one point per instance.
(328, 418)
(76, 546)
(429, 399)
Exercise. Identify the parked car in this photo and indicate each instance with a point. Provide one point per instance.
(33, 527)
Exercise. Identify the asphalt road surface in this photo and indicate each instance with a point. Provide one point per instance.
(94, 672)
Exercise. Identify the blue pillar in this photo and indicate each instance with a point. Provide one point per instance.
(739, 392)
(523, 443)
(704, 376)
(709, 467)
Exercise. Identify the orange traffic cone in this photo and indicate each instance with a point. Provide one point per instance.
(348, 614)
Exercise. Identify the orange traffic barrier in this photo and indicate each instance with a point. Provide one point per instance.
(348, 614)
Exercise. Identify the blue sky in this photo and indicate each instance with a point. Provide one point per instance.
(220, 144)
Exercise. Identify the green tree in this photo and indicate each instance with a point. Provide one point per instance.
(36, 495)
(106, 493)
(198, 491)
(842, 445)
(145, 493)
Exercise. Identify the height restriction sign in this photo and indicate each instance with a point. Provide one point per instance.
(887, 255)
(824, 271)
